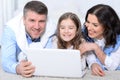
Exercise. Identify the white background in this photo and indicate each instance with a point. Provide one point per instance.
(9, 8)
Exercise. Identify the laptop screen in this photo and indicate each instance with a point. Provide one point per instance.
(56, 62)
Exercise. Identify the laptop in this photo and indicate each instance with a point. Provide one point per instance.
(56, 62)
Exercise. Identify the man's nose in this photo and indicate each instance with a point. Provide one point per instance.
(36, 25)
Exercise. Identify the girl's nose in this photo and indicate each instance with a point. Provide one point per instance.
(66, 30)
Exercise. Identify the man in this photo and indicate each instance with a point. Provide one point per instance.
(21, 33)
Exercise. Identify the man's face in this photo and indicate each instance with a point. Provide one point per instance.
(35, 24)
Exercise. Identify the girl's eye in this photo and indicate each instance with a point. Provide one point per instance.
(71, 28)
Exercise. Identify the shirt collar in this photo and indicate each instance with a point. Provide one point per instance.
(33, 40)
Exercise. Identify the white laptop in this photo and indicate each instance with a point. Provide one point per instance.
(56, 62)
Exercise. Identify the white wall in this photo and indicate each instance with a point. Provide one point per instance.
(56, 8)
(7, 11)
(6, 7)
(80, 7)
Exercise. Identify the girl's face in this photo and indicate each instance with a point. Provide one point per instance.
(67, 30)
(95, 29)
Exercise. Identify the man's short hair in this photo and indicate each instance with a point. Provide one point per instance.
(36, 6)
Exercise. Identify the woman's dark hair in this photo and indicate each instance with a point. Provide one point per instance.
(77, 39)
(110, 21)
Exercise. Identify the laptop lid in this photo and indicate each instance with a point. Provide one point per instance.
(56, 62)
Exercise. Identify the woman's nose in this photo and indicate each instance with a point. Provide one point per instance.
(89, 26)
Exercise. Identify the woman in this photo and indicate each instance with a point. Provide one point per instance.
(102, 31)
(68, 34)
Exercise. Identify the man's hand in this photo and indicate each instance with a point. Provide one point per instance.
(97, 70)
(25, 68)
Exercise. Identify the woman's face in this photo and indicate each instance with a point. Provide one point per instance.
(67, 30)
(95, 29)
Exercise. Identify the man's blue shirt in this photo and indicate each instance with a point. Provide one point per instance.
(10, 50)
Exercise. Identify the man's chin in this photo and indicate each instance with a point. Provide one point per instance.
(35, 37)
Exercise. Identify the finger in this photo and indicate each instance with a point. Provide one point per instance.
(27, 63)
(27, 75)
(101, 72)
(24, 63)
(97, 70)
(29, 69)
(94, 72)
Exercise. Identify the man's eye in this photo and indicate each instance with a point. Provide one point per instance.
(31, 20)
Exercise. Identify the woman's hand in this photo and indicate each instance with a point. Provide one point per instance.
(97, 70)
